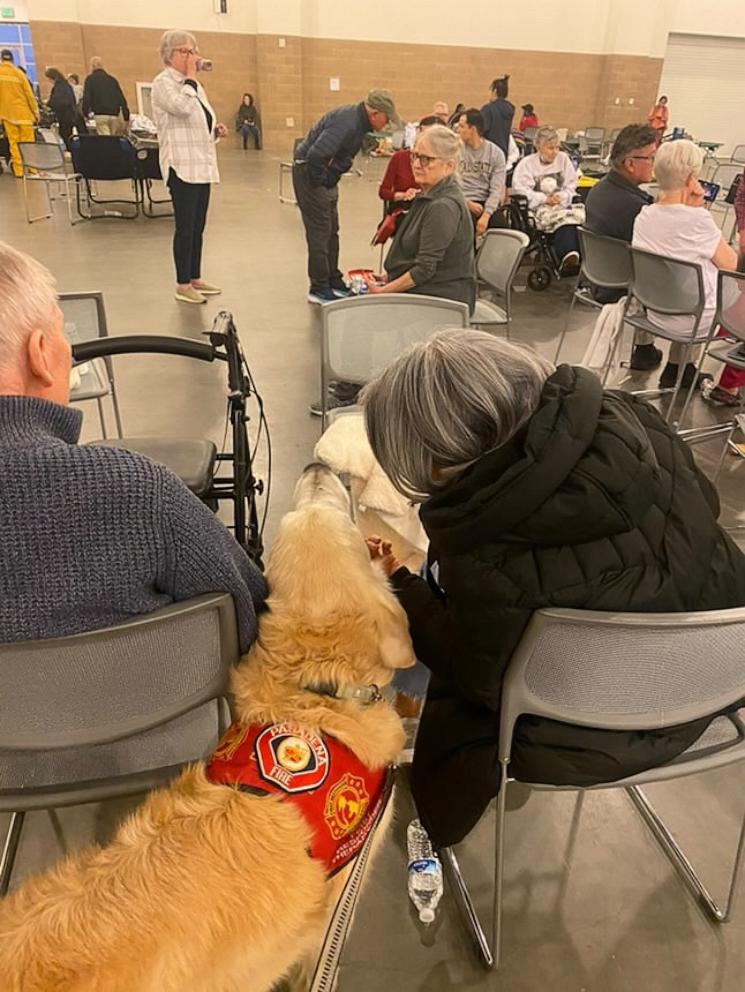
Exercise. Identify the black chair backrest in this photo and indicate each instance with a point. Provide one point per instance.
(103, 157)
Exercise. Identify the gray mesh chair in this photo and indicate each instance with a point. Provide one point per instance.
(497, 262)
(591, 143)
(85, 320)
(605, 263)
(361, 336)
(738, 155)
(616, 671)
(673, 287)
(44, 162)
(111, 712)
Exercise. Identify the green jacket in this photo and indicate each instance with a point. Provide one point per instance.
(434, 244)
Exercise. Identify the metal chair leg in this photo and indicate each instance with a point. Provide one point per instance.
(10, 849)
(102, 418)
(681, 863)
(490, 955)
(566, 328)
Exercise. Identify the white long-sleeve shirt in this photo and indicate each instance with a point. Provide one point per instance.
(187, 145)
(530, 172)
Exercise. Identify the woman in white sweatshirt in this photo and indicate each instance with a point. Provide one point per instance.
(548, 178)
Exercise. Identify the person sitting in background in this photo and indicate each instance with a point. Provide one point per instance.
(549, 179)
(678, 226)
(658, 117)
(481, 172)
(612, 207)
(19, 110)
(498, 115)
(91, 536)
(727, 390)
(247, 122)
(528, 118)
(62, 102)
(537, 489)
(432, 252)
(398, 185)
(103, 97)
(441, 111)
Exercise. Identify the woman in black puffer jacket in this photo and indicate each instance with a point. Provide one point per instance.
(538, 489)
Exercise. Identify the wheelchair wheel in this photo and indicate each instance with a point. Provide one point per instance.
(540, 278)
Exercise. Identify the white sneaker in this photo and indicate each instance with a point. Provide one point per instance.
(190, 295)
(206, 289)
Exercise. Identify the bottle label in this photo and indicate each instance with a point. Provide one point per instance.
(424, 866)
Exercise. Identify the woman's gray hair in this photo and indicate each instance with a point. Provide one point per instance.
(446, 402)
(545, 135)
(171, 40)
(443, 141)
(28, 301)
(676, 162)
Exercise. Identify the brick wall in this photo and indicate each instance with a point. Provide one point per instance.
(131, 54)
(292, 82)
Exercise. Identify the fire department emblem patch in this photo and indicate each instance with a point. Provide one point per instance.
(292, 758)
(346, 805)
(230, 741)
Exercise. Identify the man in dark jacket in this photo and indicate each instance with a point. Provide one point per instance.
(541, 490)
(321, 159)
(103, 97)
(612, 207)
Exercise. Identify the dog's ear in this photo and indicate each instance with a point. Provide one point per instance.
(392, 629)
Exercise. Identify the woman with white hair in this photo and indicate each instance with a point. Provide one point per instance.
(432, 251)
(678, 225)
(537, 489)
(548, 179)
(187, 132)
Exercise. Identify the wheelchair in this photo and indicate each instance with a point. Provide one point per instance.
(197, 462)
(539, 250)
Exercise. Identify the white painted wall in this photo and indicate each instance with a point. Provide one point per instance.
(20, 8)
(624, 27)
(195, 15)
(723, 18)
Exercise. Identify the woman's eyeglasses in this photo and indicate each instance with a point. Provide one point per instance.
(423, 160)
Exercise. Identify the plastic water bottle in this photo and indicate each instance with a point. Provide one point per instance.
(425, 872)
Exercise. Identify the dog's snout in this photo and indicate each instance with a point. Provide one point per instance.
(320, 484)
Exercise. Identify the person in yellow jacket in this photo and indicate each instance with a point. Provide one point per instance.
(19, 110)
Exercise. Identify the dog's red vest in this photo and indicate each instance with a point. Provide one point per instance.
(339, 797)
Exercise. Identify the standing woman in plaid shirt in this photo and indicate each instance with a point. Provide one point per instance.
(187, 132)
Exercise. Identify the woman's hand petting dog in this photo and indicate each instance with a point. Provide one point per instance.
(382, 551)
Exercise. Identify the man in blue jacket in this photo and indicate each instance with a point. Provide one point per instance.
(321, 159)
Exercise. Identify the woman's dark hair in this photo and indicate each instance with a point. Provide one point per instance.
(501, 87)
(74, 76)
(429, 120)
(54, 74)
(250, 97)
(528, 108)
(662, 98)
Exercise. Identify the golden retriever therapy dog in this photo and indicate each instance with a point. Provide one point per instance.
(208, 888)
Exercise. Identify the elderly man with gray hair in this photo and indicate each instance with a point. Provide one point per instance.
(187, 133)
(103, 97)
(90, 536)
(537, 488)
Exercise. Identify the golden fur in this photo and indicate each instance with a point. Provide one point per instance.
(205, 888)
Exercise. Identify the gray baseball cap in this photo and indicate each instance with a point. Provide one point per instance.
(383, 101)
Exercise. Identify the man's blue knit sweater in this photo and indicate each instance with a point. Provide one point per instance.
(91, 536)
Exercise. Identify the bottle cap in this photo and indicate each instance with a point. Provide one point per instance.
(427, 915)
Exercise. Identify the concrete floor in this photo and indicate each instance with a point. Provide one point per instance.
(616, 919)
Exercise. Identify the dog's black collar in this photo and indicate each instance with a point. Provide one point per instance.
(365, 694)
